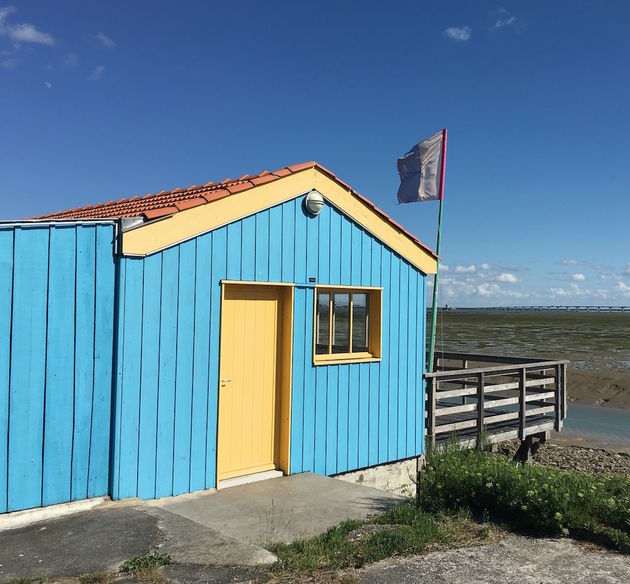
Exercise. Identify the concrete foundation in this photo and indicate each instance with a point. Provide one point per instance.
(397, 478)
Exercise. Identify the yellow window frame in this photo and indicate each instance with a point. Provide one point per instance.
(375, 315)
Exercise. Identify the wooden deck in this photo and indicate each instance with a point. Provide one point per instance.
(473, 398)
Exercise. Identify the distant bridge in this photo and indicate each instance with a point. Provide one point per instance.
(550, 308)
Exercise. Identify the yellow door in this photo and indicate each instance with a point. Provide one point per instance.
(249, 379)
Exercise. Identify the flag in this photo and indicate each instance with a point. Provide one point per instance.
(422, 170)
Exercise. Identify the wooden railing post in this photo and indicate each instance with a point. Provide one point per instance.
(522, 404)
(480, 405)
(558, 397)
(464, 366)
(431, 402)
(564, 391)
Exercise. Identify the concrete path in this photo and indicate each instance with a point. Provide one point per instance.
(281, 510)
(515, 559)
(216, 529)
(190, 542)
(96, 540)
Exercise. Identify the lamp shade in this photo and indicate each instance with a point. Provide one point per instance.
(314, 202)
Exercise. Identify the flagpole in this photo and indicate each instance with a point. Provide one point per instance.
(437, 251)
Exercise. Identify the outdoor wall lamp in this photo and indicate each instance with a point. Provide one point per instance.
(314, 203)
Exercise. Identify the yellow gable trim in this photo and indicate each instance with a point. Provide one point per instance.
(371, 221)
(157, 235)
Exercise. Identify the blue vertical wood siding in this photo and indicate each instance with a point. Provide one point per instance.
(57, 340)
(343, 417)
(56, 332)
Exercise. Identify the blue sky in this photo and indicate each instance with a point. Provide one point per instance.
(100, 100)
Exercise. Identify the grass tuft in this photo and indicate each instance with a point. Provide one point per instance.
(95, 578)
(404, 529)
(146, 567)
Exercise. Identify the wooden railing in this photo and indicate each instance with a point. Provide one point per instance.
(494, 398)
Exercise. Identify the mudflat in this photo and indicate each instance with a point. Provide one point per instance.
(597, 344)
(600, 388)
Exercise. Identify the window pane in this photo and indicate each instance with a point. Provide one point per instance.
(341, 323)
(360, 322)
(323, 318)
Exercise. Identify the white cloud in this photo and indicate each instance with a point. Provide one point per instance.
(508, 21)
(48, 84)
(29, 34)
(493, 290)
(465, 269)
(507, 277)
(97, 73)
(558, 292)
(24, 32)
(576, 294)
(626, 270)
(579, 277)
(487, 289)
(460, 34)
(571, 262)
(106, 41)
(469, 285)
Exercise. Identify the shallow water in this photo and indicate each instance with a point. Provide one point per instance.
(603, 424)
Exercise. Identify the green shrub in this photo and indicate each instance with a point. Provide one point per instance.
(530, 498)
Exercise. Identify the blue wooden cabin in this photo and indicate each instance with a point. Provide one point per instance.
(167, 344)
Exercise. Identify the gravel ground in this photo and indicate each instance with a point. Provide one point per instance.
(572, 457)
(514, 559)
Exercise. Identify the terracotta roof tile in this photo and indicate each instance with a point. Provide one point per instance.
(216, 195)
(238, 187)
(161, 212)
(301, 166)
(189, 203)
(262, 179)
(154, 206)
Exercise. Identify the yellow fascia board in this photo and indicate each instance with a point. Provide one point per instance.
(158, 235)
(372, 222)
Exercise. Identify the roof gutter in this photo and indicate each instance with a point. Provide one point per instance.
(38, 222)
